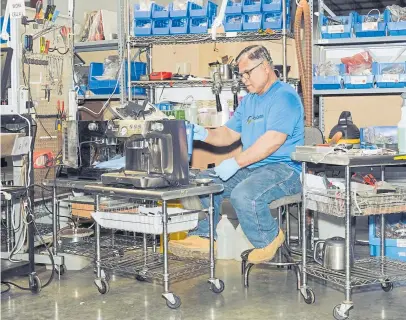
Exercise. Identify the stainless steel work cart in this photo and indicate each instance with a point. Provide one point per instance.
(372, 270)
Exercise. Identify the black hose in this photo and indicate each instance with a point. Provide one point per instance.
(235, 101)
(7, 290)
(218, 103)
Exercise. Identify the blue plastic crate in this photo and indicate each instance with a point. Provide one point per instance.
(370, 29)
(272, 20)
(249, 6)
(161, 26)
(328, 82)
(396, 28)
(342, 30)
(177, 13)
(159, 12)
(142, 27)
(107, 86)
(273, 5)
(389, 80)
(198, 25)
(179, 26)
(7, 28)
(138, 13)
(233, 22)
(358, 82)
(252, 21)
(234, 6)
(208, 10)
(394, 248)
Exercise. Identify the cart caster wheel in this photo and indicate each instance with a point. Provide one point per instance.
(387, 286)
(175, 305)
(36, 285)
(140, 278)
(60, 269)
(336, 315)
(310, 297)
(104, 286)
(214, 288)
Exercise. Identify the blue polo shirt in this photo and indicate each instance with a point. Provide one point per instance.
(279, 109)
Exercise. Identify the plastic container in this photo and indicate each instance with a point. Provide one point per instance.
(402, 129)
(273, 6)
(161, 26)
(389, 80)
(252, 21)
(189, 138)
(396, 28)
(198, 25)
(208, 10)
(233, 22)
(234, 6)
(142, 27)
(363, 28)
(328, 82)
(242, 243)
(358, 82)
(149, 220)
(250, 6)
(179, 13)
(394, 248)
(159, 12)
(139, 13)
(191, 113)
(107, 86)
(226, 239)
(7, 28)
(330, 31)
(272, 21)
(179, 26)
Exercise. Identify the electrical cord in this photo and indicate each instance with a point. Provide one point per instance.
(6, 290)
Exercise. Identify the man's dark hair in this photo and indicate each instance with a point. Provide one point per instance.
(255, 52)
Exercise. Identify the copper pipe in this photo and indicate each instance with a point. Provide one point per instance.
(305, 64)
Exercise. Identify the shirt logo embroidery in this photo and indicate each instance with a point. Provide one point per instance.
(253, 119)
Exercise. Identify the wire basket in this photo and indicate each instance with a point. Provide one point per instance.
(332, 202)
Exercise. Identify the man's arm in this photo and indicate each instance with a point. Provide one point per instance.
(267, 144)
(222, 137)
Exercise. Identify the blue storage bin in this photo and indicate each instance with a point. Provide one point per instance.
(366, 29)
(138, 13)
(159, 11)
(234, 6)
(107, 86)
(343, 30)
(142, 27)
(328, 82)
(198, 25)
(396, 28)
(273, 5)
(7, 28)
(358, 82)
(176, 13)
(161, 26)
(179, 26)
(208, 10)
(249, 6)
(252, 21)
(383, 80)
(394, 248)
(232, 22)
(272, 21)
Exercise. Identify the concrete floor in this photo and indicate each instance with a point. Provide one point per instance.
(272, 295)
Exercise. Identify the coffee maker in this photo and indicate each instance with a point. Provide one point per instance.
(156, 153)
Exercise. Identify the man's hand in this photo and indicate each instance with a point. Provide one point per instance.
(199, 133)
(226, 169)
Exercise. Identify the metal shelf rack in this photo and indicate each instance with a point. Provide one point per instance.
(360, 41)
(359, 92)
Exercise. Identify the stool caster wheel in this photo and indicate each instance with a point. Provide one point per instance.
(336, 314)
(102, 285)
(310, 297)
(172, 300)
(217, 287)
(387, 286)
(60, 269)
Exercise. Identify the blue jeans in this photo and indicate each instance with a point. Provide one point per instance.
(250, 192)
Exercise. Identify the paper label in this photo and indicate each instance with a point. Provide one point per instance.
(359, 79)
(401, 243)
(335, 29)
(17, 9)
(231, 34)
(402, 254)
(369, 26)
(390, 77)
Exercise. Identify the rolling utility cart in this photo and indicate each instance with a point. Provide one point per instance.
(346, 204)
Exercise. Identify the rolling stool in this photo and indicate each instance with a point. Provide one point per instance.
(283, 257)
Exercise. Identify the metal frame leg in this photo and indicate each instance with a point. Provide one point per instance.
(303, 226)
(165, 245)
(97, 231)
(54, 221)
(382, 228)
(280, 228)
(299, 225)
(287, 213)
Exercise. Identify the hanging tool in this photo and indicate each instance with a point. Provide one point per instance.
(38, 11)
(47, 90)
(42, 44)
(28, 42)
(235, 88)
(64, 34)
(58, 121)
(47, 44)
(216, 89)
(63, 113)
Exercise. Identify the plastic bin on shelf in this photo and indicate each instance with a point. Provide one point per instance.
(343, 30)
(208, 10)
(273, 5)
(363, 28)
(159, 12)
(396, 28)
(179, 26)
(198, 25)
(395, 248)
(98, 86)
(328, 82)
(390, 80)
(233, 22)
(249, 6)
(161, 26)
(358, 82)
(7, 28)
(252, 21)
(234, 6)
(179, 13)
(273, 20)
(139, 13)
(142, 27)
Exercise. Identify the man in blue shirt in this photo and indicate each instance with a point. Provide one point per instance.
(269, 121)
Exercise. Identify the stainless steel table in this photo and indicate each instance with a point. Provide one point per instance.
(364, 272)
(165, 195)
